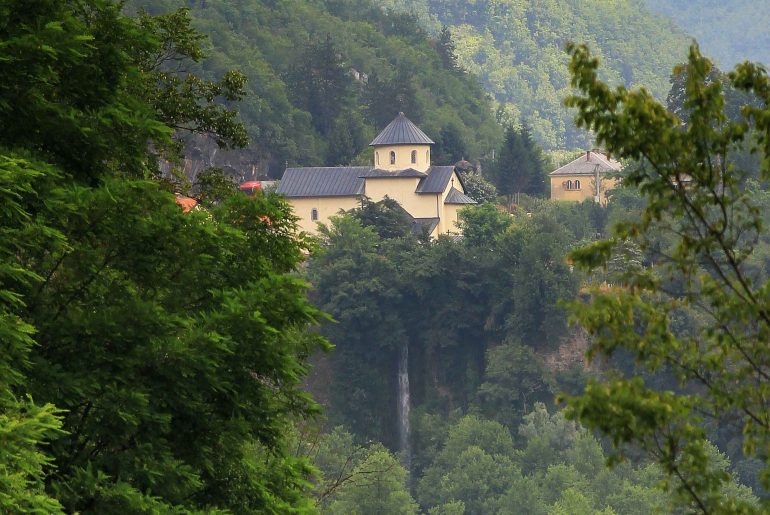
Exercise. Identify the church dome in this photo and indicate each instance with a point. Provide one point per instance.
(401, 131)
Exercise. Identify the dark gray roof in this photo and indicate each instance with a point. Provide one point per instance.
(401, 131)
(344, 181)
(437, 179)
(409, 172)
(424, 224)
(458, 197)
(323, 181)
(587, 164)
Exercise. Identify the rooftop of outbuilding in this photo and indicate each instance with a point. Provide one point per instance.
(587, 164)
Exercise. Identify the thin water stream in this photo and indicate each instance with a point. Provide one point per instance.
(404, 404)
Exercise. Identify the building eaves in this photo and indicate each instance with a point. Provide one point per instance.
(341, 181)
(437, 180)
(424, 225)
(455, 196)
(409, 172)
(401, 131)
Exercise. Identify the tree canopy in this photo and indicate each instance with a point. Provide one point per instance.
(152, 358)
(518, 167)
(325, 77)
(700, 312)
(516, 48)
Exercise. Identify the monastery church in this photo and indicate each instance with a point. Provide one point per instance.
(402, 171)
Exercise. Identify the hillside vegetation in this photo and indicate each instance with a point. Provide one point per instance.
(516, 47)
(325, 77)
(485, 357)
(730, 32)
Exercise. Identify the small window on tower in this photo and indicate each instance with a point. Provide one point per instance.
(577, 185)
(392, 157)
(414, 156)
(427, 156)
(377, 158)
(314, 214)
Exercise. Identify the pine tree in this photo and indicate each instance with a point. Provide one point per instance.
(25, 426)
(450, 145)
(519, 166)
(536, 185)
(446, 49)
(321, 83)
(511, 172)
(385, 98)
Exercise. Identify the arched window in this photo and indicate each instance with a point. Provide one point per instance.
(577, 185)
(427, 156)
(414, 156)
(314, 214)
(392, 157)
(377, 158)
(568, 185)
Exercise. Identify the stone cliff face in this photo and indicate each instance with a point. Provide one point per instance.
(241, 165)
(570, 353)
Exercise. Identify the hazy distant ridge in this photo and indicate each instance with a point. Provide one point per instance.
(730, 32)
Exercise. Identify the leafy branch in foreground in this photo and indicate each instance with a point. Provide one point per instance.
(183, 100)
(164, 350)
(700, 228)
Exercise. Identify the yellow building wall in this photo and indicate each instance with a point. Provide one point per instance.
(402, 190)
(450, 218)
(327, 207)
(587, 188)
(403, 157)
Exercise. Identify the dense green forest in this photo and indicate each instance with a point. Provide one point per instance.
(324, 77)
(451, 352)
(516, 47)
(151, 359)
(158, 360)
(488, 349)
(696, 309)
(730, 32)
(549, 466)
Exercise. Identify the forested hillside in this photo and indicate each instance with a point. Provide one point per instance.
(730, 32)
(451, 352)
(156, 350)
(516, 47)
(324, 77)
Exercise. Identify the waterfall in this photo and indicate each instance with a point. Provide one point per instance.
(404, 405)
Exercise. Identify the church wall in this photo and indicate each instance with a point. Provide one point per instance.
(449, 212)
(449, 218)
(403, 157)
(326, 206)
(402, 190)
